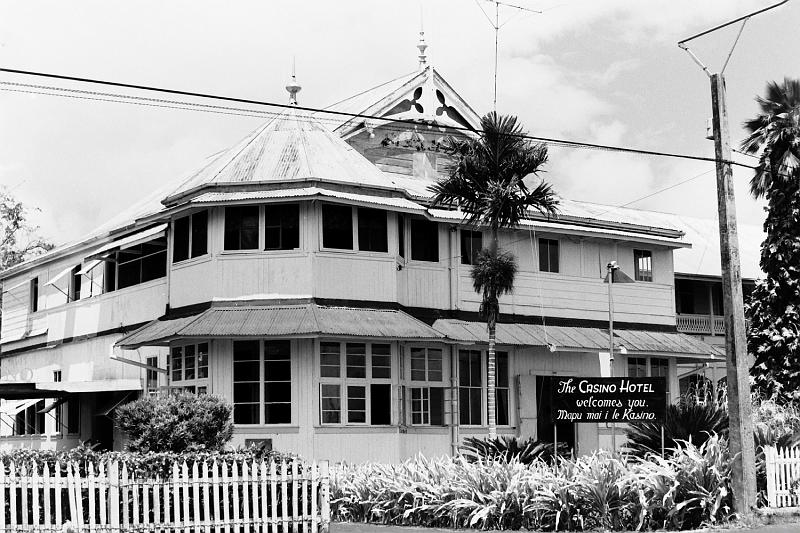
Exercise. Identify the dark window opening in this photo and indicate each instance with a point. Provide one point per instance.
(246, 382)
(471, 244)
(110, 276)
(548, 255)
(34, 295)
(643, 265)
(501, 389)
(199, 233)
(401, 235)
(241, 228)
(141, 263)
(75, 284)
(337, 227)
(282, 227)
(470, 391)
(277, 382)
(424, 240)
(372, 230)
(380, 404)
(181, 230)
(544, 407)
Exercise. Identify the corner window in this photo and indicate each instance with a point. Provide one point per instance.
(281, 227)
(643, 265)
(190, 236)
(262, 382)
(355, 383)
(471, 244)
(372, 230)
(141, 263)
(548, 255)
(424, 240)
(241, 228)
(337, 227)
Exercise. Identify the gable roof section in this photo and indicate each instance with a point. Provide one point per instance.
(424, 95)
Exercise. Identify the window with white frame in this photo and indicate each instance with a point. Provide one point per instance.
(151, 376)
(188, 367)
(643, 367)
(354, 228)
(262, 382)
(136, 264)
(355, 383)
(190, 236)
(241, 227)
(427, 386)
(472, 387)
(643, 265)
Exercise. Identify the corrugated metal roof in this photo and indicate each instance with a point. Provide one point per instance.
(307, 193)
(303, 320)
(290, 147)
(580, 338)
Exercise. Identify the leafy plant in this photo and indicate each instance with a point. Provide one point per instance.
(526, 451)
(685, 421)
(176, 423)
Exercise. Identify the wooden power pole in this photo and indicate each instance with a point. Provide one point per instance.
(742, 447)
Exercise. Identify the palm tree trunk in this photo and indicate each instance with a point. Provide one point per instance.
(491, 373)
(491, 393)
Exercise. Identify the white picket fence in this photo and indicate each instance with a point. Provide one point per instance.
(783, 476)
(201, 497)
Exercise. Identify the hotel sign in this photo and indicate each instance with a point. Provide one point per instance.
(590, 400)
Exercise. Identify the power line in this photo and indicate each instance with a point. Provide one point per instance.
(193, 94)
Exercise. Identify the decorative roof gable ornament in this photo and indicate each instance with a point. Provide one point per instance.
(293, 87)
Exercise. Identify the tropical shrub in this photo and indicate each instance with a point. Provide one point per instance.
(685, 421)
(683, 491)
(525, 451)
(176, 423)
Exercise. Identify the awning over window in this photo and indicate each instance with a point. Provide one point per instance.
(55, 279)
(296, 320)
(132, 240)
(11, 390)
(582, 339)
(11, 408)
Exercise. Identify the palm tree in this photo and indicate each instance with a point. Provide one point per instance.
(775, 133)
(774, 331)
(486, 183)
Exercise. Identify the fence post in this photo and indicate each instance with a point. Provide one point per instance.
(769, 459)
(325, 481)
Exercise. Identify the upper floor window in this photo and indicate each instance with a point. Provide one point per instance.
(643, 265)
(34, 295)
(339, 221)
(281, 227)
(372, 230)
(548, 255)
(471, 244)
(424, 240)
(139, 264)
(337, 226)
(241, 227)
(190, 236)
(75, 279)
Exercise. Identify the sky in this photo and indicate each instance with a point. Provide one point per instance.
(605, 72)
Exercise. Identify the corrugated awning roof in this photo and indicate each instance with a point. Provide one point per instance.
(580, 338)
(296, 320)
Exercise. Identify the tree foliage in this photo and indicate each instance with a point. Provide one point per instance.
(774, 307)
(176, 423)
(19, 239)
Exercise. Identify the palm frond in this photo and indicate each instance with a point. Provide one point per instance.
(493, 276)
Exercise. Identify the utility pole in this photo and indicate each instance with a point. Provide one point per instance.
(740, 432)
(740, 405)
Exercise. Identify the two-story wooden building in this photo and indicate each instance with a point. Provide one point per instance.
(303, 275)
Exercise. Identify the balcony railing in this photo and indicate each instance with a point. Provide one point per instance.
(700, 324)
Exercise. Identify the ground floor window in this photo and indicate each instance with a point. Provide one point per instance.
(546, 430)
(654, 367)
(355, 383)
(472, 387)
(30, 421)
(262, 382)
(188, 368)
(427, 394)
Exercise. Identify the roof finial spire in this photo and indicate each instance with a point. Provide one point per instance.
(421, 46)
(293, 87)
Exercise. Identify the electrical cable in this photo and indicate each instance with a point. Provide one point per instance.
(546, 140)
